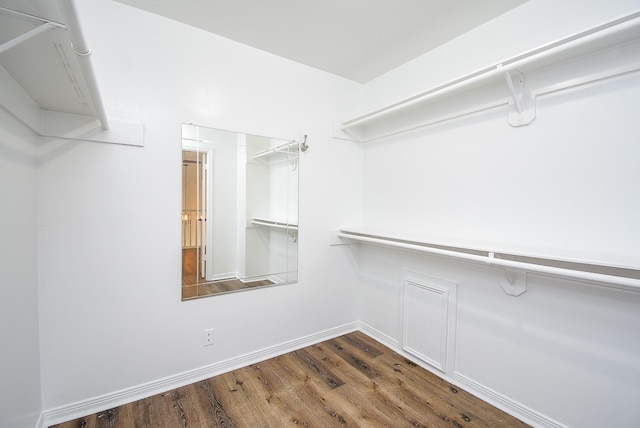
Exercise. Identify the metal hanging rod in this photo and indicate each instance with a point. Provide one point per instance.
(282, 148)
(25, 36)
(33, 17)
(625, 25)
(274, 224)
(491, 258)
(45, 24)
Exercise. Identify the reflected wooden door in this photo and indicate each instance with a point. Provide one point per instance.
(194, 216)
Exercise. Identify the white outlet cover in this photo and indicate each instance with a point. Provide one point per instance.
(207, 337)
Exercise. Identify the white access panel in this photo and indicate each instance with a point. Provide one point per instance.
(429, 318)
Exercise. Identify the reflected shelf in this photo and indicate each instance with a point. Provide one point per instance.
(290, 228)
(289, 148)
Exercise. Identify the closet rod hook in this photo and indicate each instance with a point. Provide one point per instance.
(304, 146)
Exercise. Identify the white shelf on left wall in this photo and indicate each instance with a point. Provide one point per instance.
(47, 80)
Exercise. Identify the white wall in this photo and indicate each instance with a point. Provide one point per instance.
(111, 316)
(283, 203)
(558, 187)
(564, 353)
(256, 261)
(19, 359)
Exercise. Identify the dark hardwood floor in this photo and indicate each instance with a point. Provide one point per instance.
(349, 381)
(190, 268)
(193, 286)
(220, 286)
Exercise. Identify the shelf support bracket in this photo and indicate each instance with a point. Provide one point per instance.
(25, 36)
(513, 282)
(522, 110)
(334, 239)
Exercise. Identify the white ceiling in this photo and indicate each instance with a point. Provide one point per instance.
(356, 39)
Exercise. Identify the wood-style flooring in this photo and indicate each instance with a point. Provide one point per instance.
(193, 286)
(190, 268)
(221, 286)
(349, 381)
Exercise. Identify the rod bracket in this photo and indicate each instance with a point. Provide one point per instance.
(522, 108)
(512, 281)
(334, 239)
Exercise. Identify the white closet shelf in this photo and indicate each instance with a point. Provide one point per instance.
(511, 72)
(615, 276)
(46, 78)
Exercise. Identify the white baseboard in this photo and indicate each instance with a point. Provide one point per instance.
(502, 402)
(379, 336)
(484, 393)
(118, 398)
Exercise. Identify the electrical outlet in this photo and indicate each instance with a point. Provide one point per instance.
(207, 337)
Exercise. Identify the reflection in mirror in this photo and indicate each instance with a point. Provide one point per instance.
(239, 211)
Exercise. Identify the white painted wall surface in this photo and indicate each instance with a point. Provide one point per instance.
(222, 221)
(283, 197)
(19, 359)
(564, 353)
(256, 261)
(241, 208)
(281, 173)
(111, 313)
(111, 318)
(562, 186)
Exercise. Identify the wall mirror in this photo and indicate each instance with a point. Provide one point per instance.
(239, 211)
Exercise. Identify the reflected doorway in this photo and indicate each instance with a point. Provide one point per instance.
(194, 217)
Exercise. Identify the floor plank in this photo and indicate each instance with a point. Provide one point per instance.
(348, 381)
(194, 286)
(241, 393)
